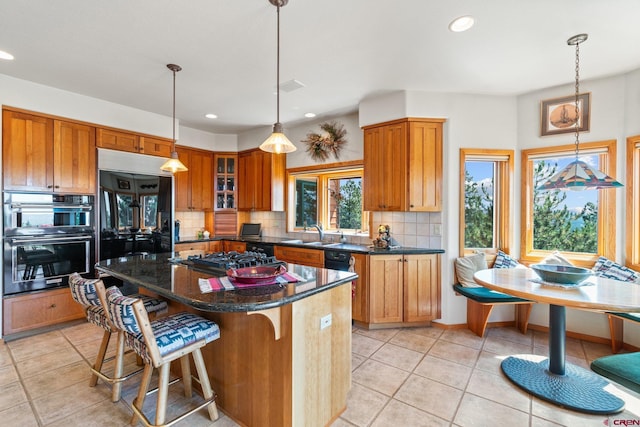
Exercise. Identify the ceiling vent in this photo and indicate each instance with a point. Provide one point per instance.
(291, 85)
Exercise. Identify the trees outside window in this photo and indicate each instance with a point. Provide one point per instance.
(333, 198)
(580, 224)
(485, 198)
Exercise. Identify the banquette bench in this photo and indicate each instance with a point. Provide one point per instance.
(480, 300)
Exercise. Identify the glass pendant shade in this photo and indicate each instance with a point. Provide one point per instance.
(577, 176)
(277, 142)
(174, 164)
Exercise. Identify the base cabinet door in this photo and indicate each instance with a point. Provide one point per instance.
(360, 306)
(421, 288)
(385, 275)
(302, 256)
(35, 310)
(404, 288)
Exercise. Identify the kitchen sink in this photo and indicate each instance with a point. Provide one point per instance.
(315, 243)
(323, 244)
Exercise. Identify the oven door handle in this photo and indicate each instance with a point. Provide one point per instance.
(51, 239)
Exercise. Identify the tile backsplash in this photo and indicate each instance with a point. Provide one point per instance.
(413, 229)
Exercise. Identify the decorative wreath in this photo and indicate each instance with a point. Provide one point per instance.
(320, 147)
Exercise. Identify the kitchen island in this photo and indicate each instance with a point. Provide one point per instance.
(284, 353)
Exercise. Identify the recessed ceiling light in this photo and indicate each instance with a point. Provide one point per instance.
(309, 115)
(462, 23)
(211, 116)
(6, 55)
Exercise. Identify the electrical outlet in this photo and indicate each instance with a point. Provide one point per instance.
(325, 321)
(437, 229)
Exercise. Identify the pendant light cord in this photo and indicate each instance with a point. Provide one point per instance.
(174, 110)
(278, 67)
(577, 87)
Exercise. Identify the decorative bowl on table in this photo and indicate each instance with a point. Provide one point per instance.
(256, 275)
(565, 274)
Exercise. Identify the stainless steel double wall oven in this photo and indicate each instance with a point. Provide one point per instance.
(46, 238)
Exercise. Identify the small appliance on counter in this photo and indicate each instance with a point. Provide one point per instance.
(250, 231)
(384, 239)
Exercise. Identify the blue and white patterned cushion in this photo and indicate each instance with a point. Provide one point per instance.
(97, 316)
(83, 290)
(503, 260)
(606, 268)
(121, 310)
(173, 333)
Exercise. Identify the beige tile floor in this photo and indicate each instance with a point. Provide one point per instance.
(401, 377)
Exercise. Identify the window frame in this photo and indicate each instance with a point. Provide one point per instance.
(323, 175)
(632, 244)
(606, 203)
(504, 170)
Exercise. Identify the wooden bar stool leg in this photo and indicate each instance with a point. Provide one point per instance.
(138, 403)
(204, 383)
(100, 358)
(163, 393)
(186, 375)
(118, 368)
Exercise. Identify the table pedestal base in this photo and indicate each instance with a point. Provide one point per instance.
(579, 389)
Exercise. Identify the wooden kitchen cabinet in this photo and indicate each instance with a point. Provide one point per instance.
(403, 165)
(225, 181)
(261, 177)
(131, 142)
(232, 245)
(404, 288)
(194, 188)
(302, 256)
(360, 306)
(49, 155)
(192, 246)
(35, 310)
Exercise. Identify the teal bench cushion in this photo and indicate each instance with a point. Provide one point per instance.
(629, 316)
(484, 295)
(621, 368)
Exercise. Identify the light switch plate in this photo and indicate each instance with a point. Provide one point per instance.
(325, 321)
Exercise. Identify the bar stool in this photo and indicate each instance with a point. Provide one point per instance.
(85, 292)
(159, 343)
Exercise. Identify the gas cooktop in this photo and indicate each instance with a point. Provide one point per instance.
(222, 261)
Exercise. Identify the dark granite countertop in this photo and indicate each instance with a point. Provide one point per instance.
(345, 247)
(179, 282)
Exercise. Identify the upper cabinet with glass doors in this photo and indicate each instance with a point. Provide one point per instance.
(225, 182)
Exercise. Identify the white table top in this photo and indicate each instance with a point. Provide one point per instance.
(596, 293)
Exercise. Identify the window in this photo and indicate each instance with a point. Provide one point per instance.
(580, 224)
(485, 195)
(633, 198)
(149, 209)
(333, 198)
(125, 212)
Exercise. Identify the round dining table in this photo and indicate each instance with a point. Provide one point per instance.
(552, 379)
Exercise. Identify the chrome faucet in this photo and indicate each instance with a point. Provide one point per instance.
(318, 227)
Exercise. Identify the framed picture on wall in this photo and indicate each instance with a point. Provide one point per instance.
(558, 115)
(123, 184)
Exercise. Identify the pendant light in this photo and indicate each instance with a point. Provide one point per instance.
(278, 142)
(174, 164)
(578, 175)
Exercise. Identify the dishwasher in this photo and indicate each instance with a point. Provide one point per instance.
(336, 260)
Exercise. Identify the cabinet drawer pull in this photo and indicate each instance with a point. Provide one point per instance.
(52, 306)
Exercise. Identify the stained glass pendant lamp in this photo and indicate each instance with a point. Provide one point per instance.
(578, 175)
(174, 164)
(278, 142)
